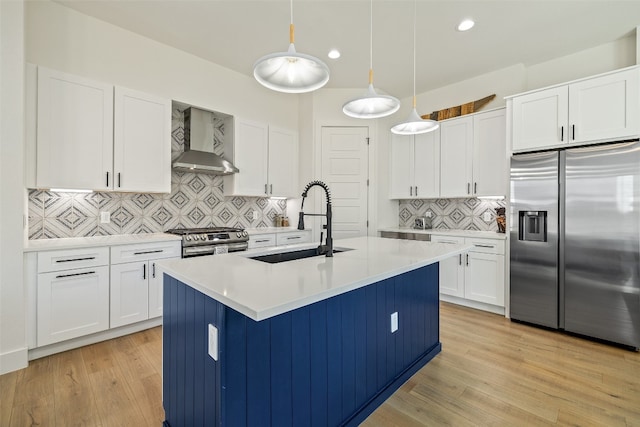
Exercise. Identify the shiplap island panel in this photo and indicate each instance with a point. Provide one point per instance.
(323, 352)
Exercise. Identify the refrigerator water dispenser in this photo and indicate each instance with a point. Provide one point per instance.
(533, 226)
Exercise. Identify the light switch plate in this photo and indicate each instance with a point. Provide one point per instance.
(255, 215)
(213, 342)
(486, 216)
(105, 217)
(428, 214)
(394, 322)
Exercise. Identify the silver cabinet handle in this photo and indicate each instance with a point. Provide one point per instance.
(294, 238)
(265, 189)
(468, 188)
(484, 246)
(270, 188)
(262, 241)
(411, 191)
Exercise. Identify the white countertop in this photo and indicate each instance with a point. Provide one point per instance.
(273, 230)
(260, 290)
(85, 242)
(457, 233)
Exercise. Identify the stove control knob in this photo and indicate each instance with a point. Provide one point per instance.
(244, 233)
(195, 237)
(203, 237)
(239, 234)
(187, 238)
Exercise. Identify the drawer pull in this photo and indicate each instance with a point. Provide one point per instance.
(86, 273)
(484, 246)
(263, 241)
(76, 259)
(293, 237)
(157, 251)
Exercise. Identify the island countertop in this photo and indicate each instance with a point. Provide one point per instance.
(260, 290)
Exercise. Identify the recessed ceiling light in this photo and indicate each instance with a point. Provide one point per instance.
(466, 25)
(334, 54)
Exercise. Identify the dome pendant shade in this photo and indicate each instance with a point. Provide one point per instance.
(291, 72)
(371, 105)
(415, 125)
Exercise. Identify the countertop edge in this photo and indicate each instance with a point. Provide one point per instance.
(459, 233)
(87, 242)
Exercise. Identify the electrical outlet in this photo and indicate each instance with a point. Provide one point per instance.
(105, 217)
(486, 216)
(213, 342)
(428, 214)
(394, 322)
(255, 215)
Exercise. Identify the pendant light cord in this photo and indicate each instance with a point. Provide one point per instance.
(291, 27)
(371, 42)
(415, 8)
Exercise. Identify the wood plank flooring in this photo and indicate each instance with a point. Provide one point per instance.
(490, 372)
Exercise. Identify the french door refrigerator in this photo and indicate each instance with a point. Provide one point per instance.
(575, 241)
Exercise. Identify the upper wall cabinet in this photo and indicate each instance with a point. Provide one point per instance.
(267, 158)
(598, 109)
(95, 136)
(473, 155)
(74, 132)
(141, 142)
(415, 166)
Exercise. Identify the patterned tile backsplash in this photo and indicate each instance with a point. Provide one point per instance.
(196, 200)
(460, 214)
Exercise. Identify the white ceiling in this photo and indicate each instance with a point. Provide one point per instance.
(234, 33)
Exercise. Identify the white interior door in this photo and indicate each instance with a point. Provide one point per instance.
(345, 169)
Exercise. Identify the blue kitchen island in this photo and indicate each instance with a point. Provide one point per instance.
(299, 343)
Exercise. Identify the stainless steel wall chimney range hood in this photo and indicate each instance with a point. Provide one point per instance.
(198, 156)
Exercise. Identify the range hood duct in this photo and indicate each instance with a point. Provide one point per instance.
(198, 156)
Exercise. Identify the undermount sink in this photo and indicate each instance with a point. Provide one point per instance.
(293, 255)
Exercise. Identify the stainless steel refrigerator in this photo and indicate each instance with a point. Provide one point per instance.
(575, 241)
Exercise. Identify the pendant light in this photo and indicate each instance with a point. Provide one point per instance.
(290, 71)
(371, 105)
(414, 124)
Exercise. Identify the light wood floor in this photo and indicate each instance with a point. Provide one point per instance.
(490, 372)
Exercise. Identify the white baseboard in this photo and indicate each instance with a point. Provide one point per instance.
(13, 360)
(38, 352)
(473, 304)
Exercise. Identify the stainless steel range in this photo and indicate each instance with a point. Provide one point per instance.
(209, 241)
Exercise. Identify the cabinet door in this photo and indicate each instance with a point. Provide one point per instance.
(142, 142)
(451, 269)
(250, 156)
(283, 163)
(490, 154)
(72, 303)
(484, 278)
(74, 132)
(604, 108)
(540, 119)
(456, 156)
(427, 165)
(401, 170)
(129, 293)
(155, 289)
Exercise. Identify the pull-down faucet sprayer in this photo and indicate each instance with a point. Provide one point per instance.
(327, 248)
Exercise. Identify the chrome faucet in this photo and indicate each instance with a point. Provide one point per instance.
(327, 248)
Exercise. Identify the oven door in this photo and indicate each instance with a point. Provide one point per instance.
(193, 251)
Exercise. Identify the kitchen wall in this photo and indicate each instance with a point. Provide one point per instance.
(196, 200)
(459, 214)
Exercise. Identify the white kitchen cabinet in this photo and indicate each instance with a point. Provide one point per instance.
(415, 166)
(293, 237)
(136, 290)
(74, 147)
(92, 136)
(267, 158)
(473, 155)
(72, 296)
(596, 109)
(475, 276)
(456, 157)
(142, 142)
(262, 240)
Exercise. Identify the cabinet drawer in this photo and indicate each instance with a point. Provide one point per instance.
(447, 239)
(293, 238)
(487, 246)
(262, 241)
(72, 258)
(144, 251)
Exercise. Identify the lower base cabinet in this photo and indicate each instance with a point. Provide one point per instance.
(478, 275)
